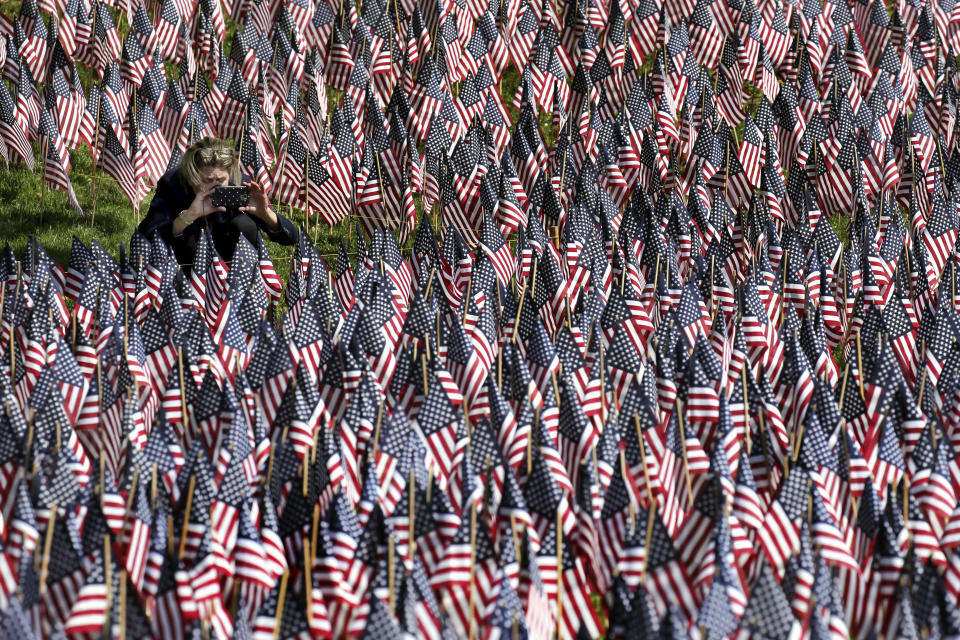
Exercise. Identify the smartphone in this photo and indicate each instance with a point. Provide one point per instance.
(231, 196)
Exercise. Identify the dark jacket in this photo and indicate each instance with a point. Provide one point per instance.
(172, 196)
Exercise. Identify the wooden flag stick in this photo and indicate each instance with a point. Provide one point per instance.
(536, 422)
(412, 544)
(308, 580)
(376, 428)
(473, 567)
(859, 365)
(651, 512)
(843, 385)
(281, 596)
(186, 515)
(122, 596)
(153, 486)
(683, 450)
(314, 531)
(47, 541)
(499, 367)
(643, 454)
(305, 475)
(391, 590)
(797, 442)
(107, 571)
(423, 363)
(130, 494)
(559, 574)
(273, 449)
(14, 486)
(631, 509)
(516, 321)
(183, 393)
(426, 292)
(466, 300)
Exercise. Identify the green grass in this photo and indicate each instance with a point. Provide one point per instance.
(24, 212)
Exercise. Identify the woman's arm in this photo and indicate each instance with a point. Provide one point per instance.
(158, 215)
(178, 226)
(277, 227)
(172, 210)
(283, 233)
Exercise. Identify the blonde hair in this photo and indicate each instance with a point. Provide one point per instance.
(205, 153)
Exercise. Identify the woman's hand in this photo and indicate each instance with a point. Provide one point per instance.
(260, 205)
(199, 208)
(202, 205)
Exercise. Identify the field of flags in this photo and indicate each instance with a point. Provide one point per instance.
(630, 383)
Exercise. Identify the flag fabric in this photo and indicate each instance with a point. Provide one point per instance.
(682, 316)
(56, 161)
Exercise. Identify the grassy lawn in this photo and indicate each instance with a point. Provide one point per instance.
(24, 212)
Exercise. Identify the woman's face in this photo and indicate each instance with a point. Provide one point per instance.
(212, 177)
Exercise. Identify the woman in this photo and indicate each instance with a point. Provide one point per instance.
(182, 206)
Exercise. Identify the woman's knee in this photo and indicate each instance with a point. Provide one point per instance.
(245, 226)
(243, 223)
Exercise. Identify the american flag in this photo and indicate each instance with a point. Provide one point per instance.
(55, 165)
(167, 19)
(117, 164)
(152, 150)
(497, 250)
(939, 235)
(137, 47)
(291, 167)
(104, 45)
(63, 101)
(89, 612)
(752, 152)
(33, 51)
(14, 135)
